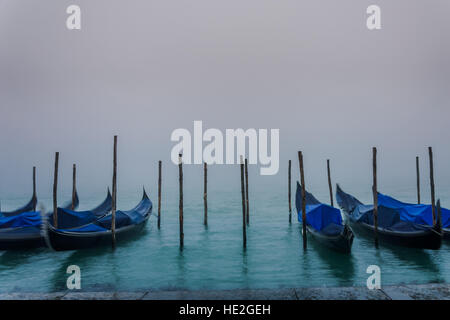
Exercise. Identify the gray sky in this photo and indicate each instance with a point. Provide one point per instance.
(141, 69)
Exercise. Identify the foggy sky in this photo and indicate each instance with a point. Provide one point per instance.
(141, 69)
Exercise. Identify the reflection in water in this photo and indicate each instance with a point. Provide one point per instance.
(213, 258)
(88, 259)
(245, 269)
(417, 258)
(57, 280)
(11, 259)
(112, 261)
(244, 262)
(305, 256)
(181, 264)
(341, 265)
(85, 259)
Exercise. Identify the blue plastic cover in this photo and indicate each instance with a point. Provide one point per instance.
(417, 213)
(71, 219)
(388, 218)
(123, 218)
(321, 217)
(89, 228)
(25, 219)
(390, 215)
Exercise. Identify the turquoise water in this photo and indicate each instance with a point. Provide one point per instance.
(213, 257)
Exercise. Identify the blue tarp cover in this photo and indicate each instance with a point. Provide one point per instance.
(71, 219)
(388, 218)
(390, 215)
(88, 228)
(319, 216)
(123, 219)
(417, 213)
(25, 219)
(66, 219)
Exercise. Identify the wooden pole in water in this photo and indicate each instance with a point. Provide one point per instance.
(244, 231)
(418, 180)
(302, 181)
(55, 188)
(34, 188)
(246, 193)
(205, 193)
(433, 204)
(114, 194)
(289, 192)
(180, 171)
(159, 193)
(329, 182)
(375, 194)
(439, 214)
(74, 186)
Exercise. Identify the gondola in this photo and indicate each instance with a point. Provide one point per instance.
(24, 230)
(324, 223)
(392, 229)
(31, 205)
(418, 213)
(98, 233)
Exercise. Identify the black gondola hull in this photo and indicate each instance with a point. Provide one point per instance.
(426, 239)
(32, 237)
(340, 243)
(446, 234)
(21, 239)
(62, 241)
(423, 238)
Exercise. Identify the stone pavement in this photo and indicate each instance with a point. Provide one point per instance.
(399, 292)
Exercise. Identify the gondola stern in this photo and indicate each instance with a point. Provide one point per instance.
(108, 196)
(144, 196)
(346, 201)
(76, 200)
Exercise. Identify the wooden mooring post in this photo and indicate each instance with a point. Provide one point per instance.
(159, 193)
(418, 180)
(205, 193)
(289, 192)
(74, 186)
(244, 227)
(247, 210)
(34, 189)
(55, 189)
(180, 172)
(433, 203)
(375, 194)
(114, 194)
(329, 182)
(302, 181)
(439, 214)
